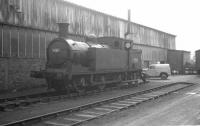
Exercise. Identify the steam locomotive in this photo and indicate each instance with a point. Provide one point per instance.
(97, 62)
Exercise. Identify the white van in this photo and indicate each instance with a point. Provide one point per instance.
(158, 70)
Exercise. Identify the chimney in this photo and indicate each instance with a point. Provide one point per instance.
(63, 29)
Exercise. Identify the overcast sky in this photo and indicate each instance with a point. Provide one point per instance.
(178, 17)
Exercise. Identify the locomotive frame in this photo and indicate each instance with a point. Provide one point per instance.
(73, 65)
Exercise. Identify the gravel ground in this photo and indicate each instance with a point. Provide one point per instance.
(23, 92)
(179, 108)
(38, 109)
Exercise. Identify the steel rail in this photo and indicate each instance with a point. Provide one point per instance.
(14, 102)
(52, 115)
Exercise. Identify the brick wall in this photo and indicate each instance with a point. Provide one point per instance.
(15, 73)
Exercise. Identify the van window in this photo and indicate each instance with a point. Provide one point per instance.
(152, 67)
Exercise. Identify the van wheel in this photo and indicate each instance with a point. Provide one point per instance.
(163, 76)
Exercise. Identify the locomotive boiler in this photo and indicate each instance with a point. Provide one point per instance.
(76, 65)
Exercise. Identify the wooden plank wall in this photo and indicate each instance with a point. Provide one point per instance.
(152, 54)
(44, 14)
(197, 60)
(23, 42)
(186, 57)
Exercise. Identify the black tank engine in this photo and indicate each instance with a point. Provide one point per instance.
(97, 62)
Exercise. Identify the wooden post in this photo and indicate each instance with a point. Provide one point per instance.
(6, 73)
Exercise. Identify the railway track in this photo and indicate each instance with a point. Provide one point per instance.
(12, 103)
(80, 114)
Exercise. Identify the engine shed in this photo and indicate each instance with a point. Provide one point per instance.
(27, 27)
